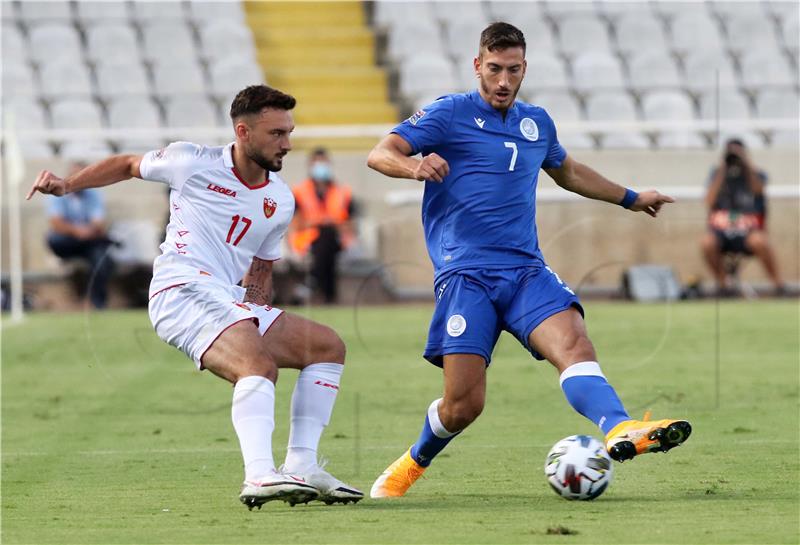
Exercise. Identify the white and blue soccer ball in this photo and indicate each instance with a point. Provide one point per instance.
(579, 468)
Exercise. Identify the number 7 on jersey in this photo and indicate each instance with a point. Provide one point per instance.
(513, 146)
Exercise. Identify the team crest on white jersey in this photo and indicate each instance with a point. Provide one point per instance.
(456, 325)
(269, 207)
(529, 129)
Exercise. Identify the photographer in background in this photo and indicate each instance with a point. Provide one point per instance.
(736, 216)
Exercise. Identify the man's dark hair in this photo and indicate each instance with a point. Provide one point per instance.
(319, 152)
(502, 36)
(735, 142)
(253, 99)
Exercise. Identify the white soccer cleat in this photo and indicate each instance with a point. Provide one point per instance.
(331, 490)
(277, 486)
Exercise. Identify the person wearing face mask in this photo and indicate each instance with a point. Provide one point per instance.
(322, 225)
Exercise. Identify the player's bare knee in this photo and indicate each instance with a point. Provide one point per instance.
(756, 241)
(253, 365)
(331, 347)
(459, 414)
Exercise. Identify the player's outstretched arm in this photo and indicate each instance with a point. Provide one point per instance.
(106, 172)
(391, 158)
(583, 180)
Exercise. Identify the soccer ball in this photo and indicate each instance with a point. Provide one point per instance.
(578, 468)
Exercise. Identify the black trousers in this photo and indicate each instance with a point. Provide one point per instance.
(94, 252)
(324, 253)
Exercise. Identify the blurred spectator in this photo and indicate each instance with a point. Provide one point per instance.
(78, 231)
(322, 225)
(736, 216)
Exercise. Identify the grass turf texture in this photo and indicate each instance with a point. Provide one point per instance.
(110, 436)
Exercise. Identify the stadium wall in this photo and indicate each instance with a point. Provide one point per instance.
(587, 243)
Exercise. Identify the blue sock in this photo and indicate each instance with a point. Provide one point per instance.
(433, 439)
(591, 395)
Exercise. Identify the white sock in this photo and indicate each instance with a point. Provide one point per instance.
(253, 415)
(312, 405)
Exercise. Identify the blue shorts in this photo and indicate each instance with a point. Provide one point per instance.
(474, 305)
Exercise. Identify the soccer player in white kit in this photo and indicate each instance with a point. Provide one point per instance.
(228, 214)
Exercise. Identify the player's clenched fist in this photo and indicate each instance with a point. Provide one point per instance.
(432, 167)
(48, 183)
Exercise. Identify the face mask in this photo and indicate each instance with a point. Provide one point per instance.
(321, 172)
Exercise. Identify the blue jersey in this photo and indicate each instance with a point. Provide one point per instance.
(483, 215)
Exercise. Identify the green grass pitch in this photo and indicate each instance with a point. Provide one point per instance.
(111, 436)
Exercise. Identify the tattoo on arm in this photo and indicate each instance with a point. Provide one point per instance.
(258, 282)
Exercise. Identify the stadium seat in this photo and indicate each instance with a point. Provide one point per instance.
(32, 11)
(671, 106)
(560, 106)
(405, 38)
(226, 38)
(178, 77)
(594, 70)
(613, 10)
(762, 69)
(783, 10)
(18, 78)
(777, 104)
(466, 80)
(387, 13)
(575, 140)
(670, 9)
(615, 106)
(609, 106)
(115, 80)
(790, 30)
(624, 140)
(133, 113)
(653, 69)
(558, 10)
(666, 106)
(463, 37)
(229, 76)
(458, 10)
(84, 150)
(538, 35)
(732, 105)
(91, 11)
(702, 68)
(513, 12)
(727, 10)
(111, 43)
(60, 78)
(50, 40)
(580, 33)
(202, 12)
(786, 139)
(753, 32)
(35, 149)
(164, 39)
(680, 139)
(545, 71)
(191, 111)
(144, 11)
(76, 113)
(14, 46)
(9, 12)
(694, 30)
(28, 112)
(637, 31)
(426, 75)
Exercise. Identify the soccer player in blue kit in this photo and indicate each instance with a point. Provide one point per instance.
(481, 155)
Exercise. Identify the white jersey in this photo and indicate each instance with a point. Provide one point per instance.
(217, 224)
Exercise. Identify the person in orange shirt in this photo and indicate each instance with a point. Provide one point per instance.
(322, 225)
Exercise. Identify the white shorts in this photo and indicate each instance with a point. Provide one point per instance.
(191, 316)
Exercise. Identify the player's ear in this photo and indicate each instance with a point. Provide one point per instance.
(476, 63)
(241, 129)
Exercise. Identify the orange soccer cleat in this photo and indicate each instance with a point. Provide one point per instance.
(397, 478)
(633, 437)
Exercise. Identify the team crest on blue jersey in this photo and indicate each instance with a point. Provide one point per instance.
(416, 117)
(529, 129)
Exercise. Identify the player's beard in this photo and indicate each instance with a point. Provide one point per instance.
(269, 165)
(512, 93)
